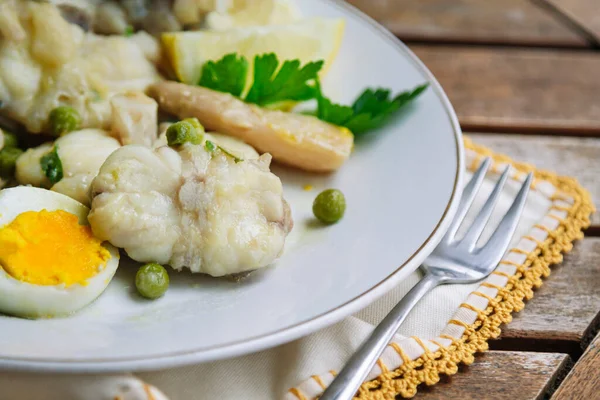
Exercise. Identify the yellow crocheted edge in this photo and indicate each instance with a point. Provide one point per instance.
(427, 368)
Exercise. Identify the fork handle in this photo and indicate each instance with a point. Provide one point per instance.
(347, 382)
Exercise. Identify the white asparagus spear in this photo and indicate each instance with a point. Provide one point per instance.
(297, 140)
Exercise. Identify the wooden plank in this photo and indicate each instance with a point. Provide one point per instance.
(586, 13)
(565, 312)
(575, 157)
(472, 21)
(519, 90)
(501, 375)
(583, 381)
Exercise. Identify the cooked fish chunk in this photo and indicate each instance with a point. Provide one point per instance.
(10, 27)
(81, 154)
(134, 118)
(54, 41)
(57, 63)
(298, 140)
(190, 208)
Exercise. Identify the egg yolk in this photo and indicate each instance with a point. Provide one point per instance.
(50, 248)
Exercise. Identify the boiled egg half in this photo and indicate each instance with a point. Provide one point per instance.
(50, 262)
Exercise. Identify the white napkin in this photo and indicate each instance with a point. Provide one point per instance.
(272, 373)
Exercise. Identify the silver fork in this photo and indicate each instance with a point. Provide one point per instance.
(452, 261)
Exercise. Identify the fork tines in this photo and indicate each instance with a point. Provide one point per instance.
(500, 238)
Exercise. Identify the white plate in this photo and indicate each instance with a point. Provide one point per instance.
(402, 185)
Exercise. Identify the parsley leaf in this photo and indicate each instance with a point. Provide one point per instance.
(290, 82)
(129, 31)
(330, 112)
(226, 75)
(227, 153)
(273, 82)
(211, 148)
(369, 111)
(52, 166)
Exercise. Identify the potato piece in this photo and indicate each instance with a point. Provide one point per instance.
(28, 170)
(298, 140)
(81, 153)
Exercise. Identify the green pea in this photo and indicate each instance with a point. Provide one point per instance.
(183, 132)
(10, 139)
(329, 206)
(8, 160)
(63, 119)
(195, 123)
(152, 281)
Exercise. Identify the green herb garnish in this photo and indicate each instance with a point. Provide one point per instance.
(52, 166)
(369, 111)
(226, 75)
(290, 82)
(210, 146)
(235, 158)
(129, 31)
(275, 82)
(96, 96)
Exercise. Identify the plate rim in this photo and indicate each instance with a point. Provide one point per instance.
(303, 328)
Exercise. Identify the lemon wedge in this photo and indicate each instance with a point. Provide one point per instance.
(307, 40)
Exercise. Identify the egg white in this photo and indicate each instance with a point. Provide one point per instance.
(32, 301)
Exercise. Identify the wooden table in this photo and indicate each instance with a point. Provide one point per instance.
(524, 78)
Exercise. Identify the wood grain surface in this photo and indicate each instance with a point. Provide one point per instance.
(501, 375)
(583, 382)
(586, 13)
(518, 22)
(565, 312)
(519, 90)
(569, 156)
(536, 105)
